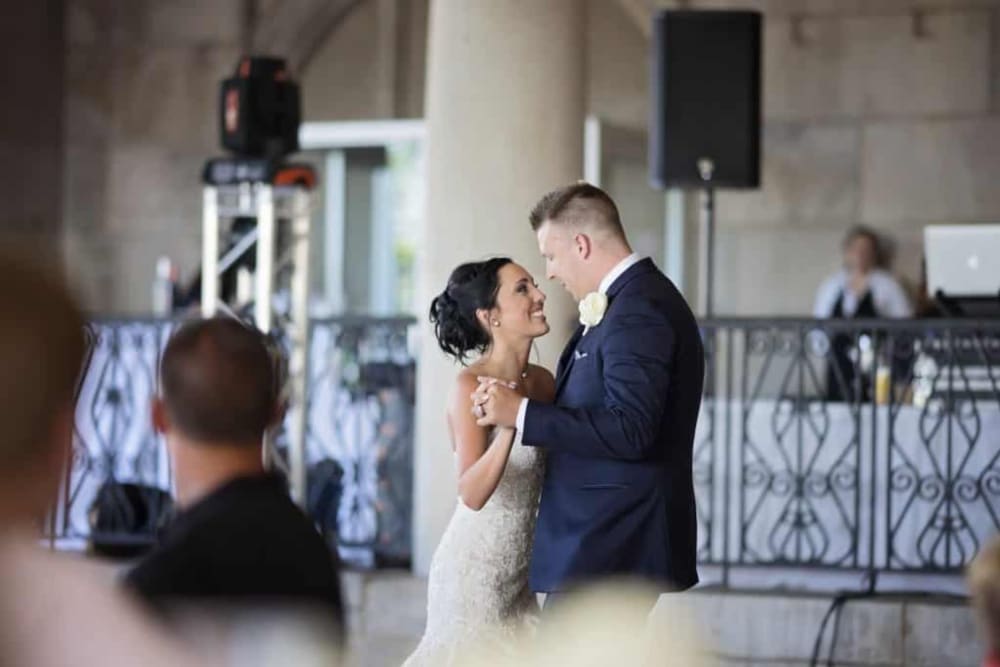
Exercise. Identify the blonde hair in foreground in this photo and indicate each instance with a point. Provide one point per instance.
(984, 586)
(608, 625)
(41, 353)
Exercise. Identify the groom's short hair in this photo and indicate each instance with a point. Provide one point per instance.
(580, 203)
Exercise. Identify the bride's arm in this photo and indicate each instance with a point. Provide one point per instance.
(480, 467)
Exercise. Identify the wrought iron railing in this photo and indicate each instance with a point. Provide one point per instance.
(866, 451)
(864, 447)
(359, 439)
(116, 454)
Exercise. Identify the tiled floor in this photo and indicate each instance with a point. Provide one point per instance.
(387, 610)
(387, 613)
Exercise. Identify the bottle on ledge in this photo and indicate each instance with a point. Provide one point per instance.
(163, 287)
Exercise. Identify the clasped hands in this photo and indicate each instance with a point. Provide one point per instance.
(496, 402)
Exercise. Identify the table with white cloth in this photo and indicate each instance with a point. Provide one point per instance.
(816, 495)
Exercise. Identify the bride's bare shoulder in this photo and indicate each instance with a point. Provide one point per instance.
(465, 383)
(469, 373)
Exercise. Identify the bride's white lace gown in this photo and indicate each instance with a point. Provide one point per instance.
(477, 590)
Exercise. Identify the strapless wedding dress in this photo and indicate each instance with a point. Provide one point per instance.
(478, 597)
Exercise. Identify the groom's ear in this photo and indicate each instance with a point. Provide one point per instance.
(584, 245)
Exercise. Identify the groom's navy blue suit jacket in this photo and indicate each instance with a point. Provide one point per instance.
(618, 497)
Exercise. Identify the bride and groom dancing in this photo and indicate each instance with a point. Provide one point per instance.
(568, 479)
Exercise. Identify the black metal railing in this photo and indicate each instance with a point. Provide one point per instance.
(866, 450)
(360, 400)
(117, 465)
(854, 447)
(359, 437)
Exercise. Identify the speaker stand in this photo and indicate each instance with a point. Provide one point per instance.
(706, 216)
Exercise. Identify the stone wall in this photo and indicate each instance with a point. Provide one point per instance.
(617, 67)
(875, 113)
(31, 124)
(141, 118)
(372, 67)
(140, 112)
(883, 113)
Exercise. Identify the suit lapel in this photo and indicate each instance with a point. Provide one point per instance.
(566, 360)
(568, 356)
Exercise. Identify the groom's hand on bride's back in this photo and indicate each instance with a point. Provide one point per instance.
(495, 402)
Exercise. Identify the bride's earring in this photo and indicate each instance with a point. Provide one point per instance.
(496, 323)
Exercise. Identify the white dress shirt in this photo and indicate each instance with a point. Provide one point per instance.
(619, 268)
(606, 282)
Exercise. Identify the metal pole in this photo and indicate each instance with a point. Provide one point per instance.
(707, 218)
(263, 315)
(298, 363)
(209, 250)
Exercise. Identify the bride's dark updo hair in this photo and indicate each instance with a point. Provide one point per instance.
(471, 287)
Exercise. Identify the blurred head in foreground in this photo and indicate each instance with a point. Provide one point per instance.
(609, 624)
(41, 354)
(984, 586)
(54, 610)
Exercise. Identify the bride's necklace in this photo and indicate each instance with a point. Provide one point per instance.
(522, 376)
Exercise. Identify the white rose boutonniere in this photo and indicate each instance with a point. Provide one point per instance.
(592, 309)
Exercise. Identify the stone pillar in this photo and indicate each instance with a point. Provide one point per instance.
(504, 112)
(142, 81)
(32, 48)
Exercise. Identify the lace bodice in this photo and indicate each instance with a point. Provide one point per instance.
(520, 484)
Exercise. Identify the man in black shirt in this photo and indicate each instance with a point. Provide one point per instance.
(238, 540)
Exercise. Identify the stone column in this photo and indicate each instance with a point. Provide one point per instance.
(32, 50)
(504, 112)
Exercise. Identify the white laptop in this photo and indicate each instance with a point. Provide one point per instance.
(963, 260)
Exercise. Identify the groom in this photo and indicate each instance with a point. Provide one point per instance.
(618, 496)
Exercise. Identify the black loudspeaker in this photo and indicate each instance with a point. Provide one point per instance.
(259, 109)
(706, 98)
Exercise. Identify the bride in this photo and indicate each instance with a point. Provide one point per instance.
(477, 592)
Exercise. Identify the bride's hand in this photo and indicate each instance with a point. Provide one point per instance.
(481, 394)
(496, 403)
(485, 381)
